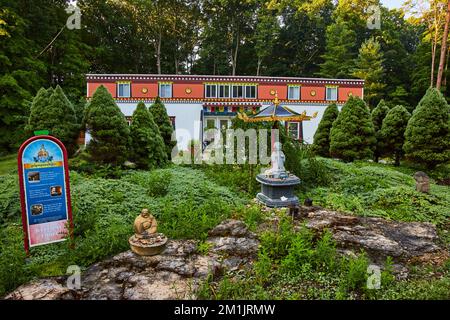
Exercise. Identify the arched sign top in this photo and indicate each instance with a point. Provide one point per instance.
(44, 190)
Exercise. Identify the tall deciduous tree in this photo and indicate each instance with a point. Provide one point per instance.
(162, 120)
(392, 132)
(352, 135)
(147, 145)
(108, 129)
(442, 59)
(321, 144)
(427, 136)
(369, 66)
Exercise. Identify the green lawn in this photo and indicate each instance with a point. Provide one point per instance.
(8, 164)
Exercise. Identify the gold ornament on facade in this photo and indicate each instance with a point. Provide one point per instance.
(188, 90)
(144, 90)
(313, 93)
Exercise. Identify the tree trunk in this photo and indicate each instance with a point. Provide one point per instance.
(397, 159)
(258, 69)
(158, 53)
(236, 53)
(443, 48)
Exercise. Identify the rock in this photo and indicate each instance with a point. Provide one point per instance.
(173, 274)
(422, 182)
(378, 237)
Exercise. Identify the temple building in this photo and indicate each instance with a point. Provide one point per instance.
(196, 103)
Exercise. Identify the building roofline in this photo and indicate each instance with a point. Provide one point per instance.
(96, 76)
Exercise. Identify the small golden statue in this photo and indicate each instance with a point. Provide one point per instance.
(146, 241)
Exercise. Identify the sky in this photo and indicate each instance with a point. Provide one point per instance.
(391, 4)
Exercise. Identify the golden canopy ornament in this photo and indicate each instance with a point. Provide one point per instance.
(276, 112)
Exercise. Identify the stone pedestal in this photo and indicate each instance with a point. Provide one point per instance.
(277, 193)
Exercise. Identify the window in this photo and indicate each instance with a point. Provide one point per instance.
(238, 91)
(250, 92)
(123, 90)
(294, 130)
(294, 92)
(211, 91)
(224, 91)
(332, 93)
(165, 90)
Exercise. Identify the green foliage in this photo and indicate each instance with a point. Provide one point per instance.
(147, 145)
(108, 129)
(159, 112)
(340, 39)
(392, 132)
(52, 111)
(322, 136)
(369, 66)
(353, 135)
(9, 199)
(378, 115)
(427, 136)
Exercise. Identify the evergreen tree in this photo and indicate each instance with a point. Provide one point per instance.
(427, 136)
(378, 115)
(108, 129)
(52, 111)
(339, 51)
(321, 144)
(147, 145)
(159, 113)
(369, 66)
(392, 132)
(352, 135)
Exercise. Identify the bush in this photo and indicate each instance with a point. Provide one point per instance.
(147, 145)
(52, 111)
(162, 120)
(321, 144)
(378, 115)
(427, 136)
(108, 128)
(392, 133)
(353, 135)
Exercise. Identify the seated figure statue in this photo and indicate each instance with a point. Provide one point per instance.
(277, 158)
(145, 224)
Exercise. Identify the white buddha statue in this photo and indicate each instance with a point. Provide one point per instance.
(277, 169)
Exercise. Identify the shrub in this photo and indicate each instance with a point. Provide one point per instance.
(108, 128)
(51, 110)
(162, 120)
(352, 135)
(378, 115)
(147, 145)
(322, 136)
(392, 132)
(427, 136)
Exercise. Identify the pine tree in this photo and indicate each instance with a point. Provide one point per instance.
(147, 145)
(352, 135)
(392, 132)
(427, 136)
(378, 115)
(52, 111)
(339, 51)
(369, 66)
(159, 113)
(108, 129)
(321, 144)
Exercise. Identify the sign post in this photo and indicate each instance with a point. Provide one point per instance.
(44, 191)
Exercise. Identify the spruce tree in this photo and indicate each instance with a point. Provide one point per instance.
(52, 111)
(427, 136)
(369, 66)
(352, 135)
(147, 145)
(108, 129)
(162, 120)
(392, 132)
(378, 115)
(321, 144)
(340, 40)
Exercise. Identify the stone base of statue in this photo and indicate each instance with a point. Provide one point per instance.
(150, 245)
(278, 192)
